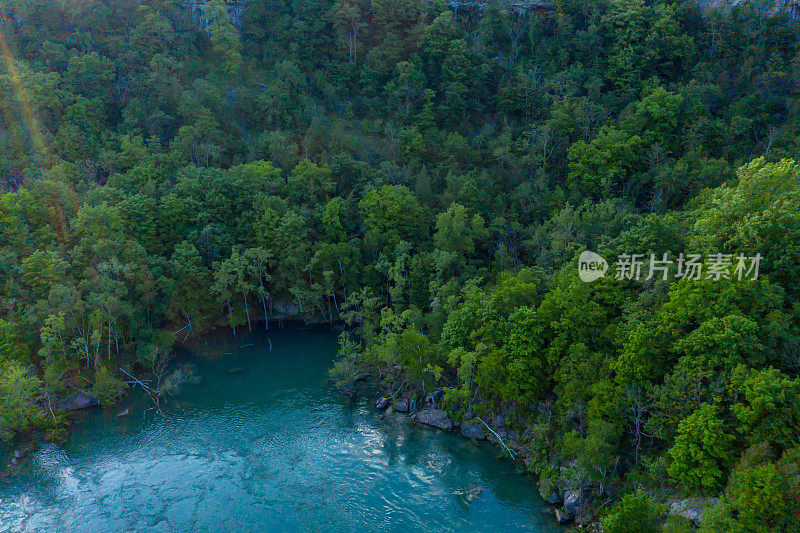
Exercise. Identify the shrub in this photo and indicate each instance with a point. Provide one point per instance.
(635, 513)
(107, 388)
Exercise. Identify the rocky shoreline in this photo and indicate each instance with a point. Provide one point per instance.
(28, 442)
(567, 505)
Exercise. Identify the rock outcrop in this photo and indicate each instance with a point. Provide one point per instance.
(402, 406)
(518, 6)
(573, 500)
(77, 401)
(435, 418)
(691, 508)
(768, 7)
(473, 430)
(549, 492)
(576, 506)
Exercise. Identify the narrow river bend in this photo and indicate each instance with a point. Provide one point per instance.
(261, 442)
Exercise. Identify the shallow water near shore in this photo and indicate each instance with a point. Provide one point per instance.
(261, 442)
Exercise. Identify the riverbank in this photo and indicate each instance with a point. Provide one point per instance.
(55, 410)
(426, 411)
(567, 505)
(262, 441)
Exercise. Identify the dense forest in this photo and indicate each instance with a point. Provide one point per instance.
(425, 178)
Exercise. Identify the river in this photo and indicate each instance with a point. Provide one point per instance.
(259, 441)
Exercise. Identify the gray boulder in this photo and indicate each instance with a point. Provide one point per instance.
(691, 508)
(284, 309)
(574, 501)
(402, 406)
(473, 430)
(77, 401)
(435, 418)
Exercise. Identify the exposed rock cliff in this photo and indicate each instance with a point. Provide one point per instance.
(771, 7)
(520, 6)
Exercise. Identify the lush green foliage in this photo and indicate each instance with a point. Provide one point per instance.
(18, 389)
(634, 513)
(762, 495)
(427, 178)
(702, 450)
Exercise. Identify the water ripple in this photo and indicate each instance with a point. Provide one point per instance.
(271, 448)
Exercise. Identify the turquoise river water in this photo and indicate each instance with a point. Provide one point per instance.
(259, 441)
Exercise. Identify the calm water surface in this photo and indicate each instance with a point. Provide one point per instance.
(262, 443)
